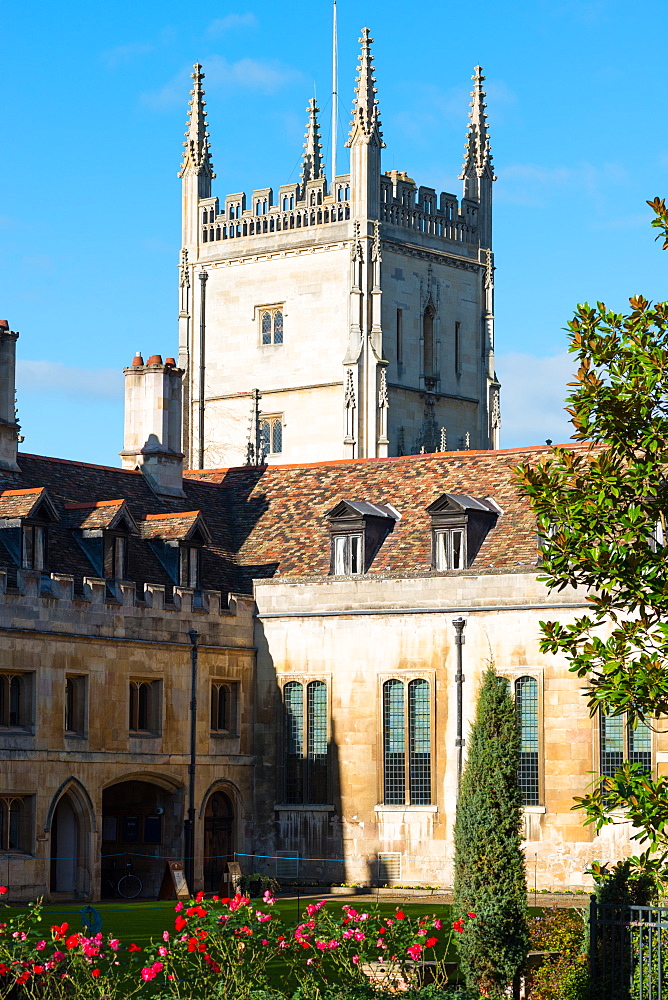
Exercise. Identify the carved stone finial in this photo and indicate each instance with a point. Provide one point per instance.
(375, 247)
(477, 151)
(312, 165)
(197, 149)
(496, 409)
(185, 271)
(365, 124)
(382, 390)
(356, 253)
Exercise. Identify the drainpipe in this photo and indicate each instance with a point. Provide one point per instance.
(202, 336)
(459, 625)
(190, 822)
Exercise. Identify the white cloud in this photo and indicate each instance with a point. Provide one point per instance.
(68, 382)
(533, 391)
(231, 21)
(121, 54)
(266, 76)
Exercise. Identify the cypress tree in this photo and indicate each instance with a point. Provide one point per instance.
(490, 879)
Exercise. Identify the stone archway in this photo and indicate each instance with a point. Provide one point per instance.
(142, 829)
(219, 822)
(70, 822)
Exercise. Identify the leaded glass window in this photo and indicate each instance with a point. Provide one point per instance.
(526, 703)
(406, 719)
(394, 743)
(306, 746)
(278, 327)
(271, 435)
(266, 328)
(271, 319)
(620, 742)
(419, 729)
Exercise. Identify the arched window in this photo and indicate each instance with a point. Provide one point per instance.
(306, 745)
(266, 328)
(428, 341)
(16, 700)
(526, 704)
(278, 327)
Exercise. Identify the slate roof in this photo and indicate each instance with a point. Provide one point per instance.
(270, 520)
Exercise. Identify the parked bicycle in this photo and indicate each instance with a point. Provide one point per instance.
(128, 886)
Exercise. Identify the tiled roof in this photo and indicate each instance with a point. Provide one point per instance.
(270, 519)
(177, 526)
(278, 513)
(20, 503)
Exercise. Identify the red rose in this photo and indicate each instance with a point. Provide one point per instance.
(95, 972)
(400, 915)
(3, 890)
(430, 942)
(471, 915)
(180, 923)
(134, 947)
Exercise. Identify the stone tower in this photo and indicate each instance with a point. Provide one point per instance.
(360, 307)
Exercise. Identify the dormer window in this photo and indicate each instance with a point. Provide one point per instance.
(177, 540)
(34, 546)
(459, 526)
(24, 519)
(449, 548)
(347, 554)
(115, 556)
(190, 568)
(357, 531)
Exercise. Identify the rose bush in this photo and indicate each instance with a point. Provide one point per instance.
(223, 947)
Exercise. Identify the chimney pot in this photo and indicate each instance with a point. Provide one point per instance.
(4, 324)
(137, 361)
(155, 359)
(170, 361)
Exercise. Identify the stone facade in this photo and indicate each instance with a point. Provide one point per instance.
(361, 307)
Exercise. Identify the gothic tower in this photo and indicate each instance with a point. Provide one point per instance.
(360, 307)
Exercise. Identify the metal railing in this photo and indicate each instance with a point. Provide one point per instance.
(626, 950)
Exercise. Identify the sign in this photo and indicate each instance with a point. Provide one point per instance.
(233, 874)
(174, 882)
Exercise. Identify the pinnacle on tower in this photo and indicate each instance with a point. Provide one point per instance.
(477, 155)
(366, 118)
(196, 153)
(312, 165)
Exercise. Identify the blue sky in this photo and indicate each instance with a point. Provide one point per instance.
(93, 101)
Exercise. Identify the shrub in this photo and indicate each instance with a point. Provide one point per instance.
(489, 864)
(566, 975)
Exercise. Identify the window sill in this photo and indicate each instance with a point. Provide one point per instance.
(72, 735)
(143, 734)
(221, 734)
(18, 730)
(534, 810)
(303, 807)
(405, 808)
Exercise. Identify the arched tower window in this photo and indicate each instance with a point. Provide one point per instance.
(526, 704)
(428, 341)
(278, 327)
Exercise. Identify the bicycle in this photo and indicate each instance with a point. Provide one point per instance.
(128, 885)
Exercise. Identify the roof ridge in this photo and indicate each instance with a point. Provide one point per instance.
(97, 503)
(16, 493)
(176, 513)
(72, 461)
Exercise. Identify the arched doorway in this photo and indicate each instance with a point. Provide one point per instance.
(66, 844)
(142, 829)
(218, 839)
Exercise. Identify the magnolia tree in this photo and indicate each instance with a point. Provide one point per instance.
(601, 509)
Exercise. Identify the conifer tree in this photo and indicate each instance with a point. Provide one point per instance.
(490, 880)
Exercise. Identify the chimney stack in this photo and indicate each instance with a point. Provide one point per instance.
(152, 443)
(9, 429)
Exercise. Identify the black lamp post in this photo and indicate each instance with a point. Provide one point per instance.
(189, 826)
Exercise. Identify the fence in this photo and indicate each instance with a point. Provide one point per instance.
(626, 949)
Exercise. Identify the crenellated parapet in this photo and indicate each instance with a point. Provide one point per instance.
(404, 204)
(48, 603)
